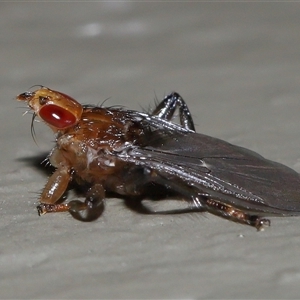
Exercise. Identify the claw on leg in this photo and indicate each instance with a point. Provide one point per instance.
(259, 223)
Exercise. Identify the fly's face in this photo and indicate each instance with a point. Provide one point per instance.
(58, 110)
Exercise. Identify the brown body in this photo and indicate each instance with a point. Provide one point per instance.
(123, 151)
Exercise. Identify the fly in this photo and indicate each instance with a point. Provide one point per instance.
(126, 152)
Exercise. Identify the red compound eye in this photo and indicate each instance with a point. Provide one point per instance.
(57, 116)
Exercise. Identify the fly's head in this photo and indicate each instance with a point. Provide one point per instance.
(56, 109)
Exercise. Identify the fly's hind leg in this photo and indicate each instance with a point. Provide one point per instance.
(166, 108)
(237, 215)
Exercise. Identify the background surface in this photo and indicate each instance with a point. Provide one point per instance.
(237, 65)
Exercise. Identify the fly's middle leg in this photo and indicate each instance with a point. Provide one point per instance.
(93, 206)
(237, 215)
(167, 107)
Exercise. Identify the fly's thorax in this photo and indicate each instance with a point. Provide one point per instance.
(88, 157)
(93, 147)
(107, 129)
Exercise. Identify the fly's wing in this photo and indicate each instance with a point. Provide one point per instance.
(231, 174)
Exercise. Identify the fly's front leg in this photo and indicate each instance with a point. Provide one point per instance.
(53, 191)
(89, 210)
(167, 107)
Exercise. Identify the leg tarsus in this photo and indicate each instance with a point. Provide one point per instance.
(229, 212)
(44, 208)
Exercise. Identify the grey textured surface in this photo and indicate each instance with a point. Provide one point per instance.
(237, 65)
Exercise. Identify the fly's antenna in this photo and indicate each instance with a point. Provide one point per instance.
(37, 85)
(101, 105)
(32, 128)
